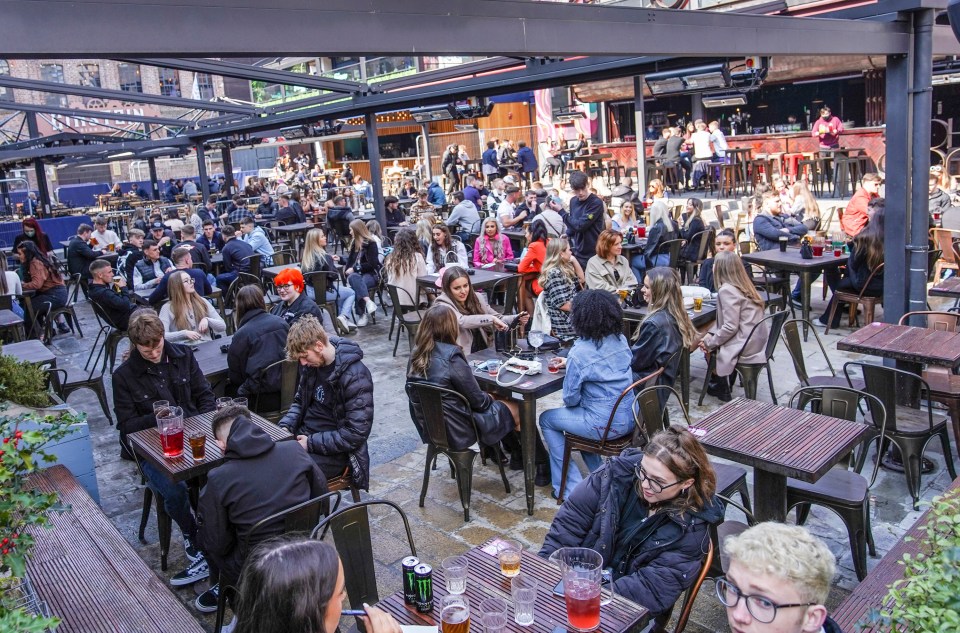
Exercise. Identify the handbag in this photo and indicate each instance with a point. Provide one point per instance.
(806, 251)
(541, 317)
(520, 367)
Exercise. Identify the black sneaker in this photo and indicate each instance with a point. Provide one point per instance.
(206, 602)
(193, 552)
(198, 570)
(543, 475)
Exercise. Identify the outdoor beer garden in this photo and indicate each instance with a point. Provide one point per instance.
(624, 315)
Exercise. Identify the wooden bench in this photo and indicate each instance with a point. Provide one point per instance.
(90, 576)
(868, 593)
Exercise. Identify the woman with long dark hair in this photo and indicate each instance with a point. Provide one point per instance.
(363, 270)
(404, 265)
(691, 226)
(535, 254)
(477, 320)
(259, 342)
(43, 276)
(444, 250)
(665, 330)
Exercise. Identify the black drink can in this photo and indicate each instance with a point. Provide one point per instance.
(409, 585)
(423, 579)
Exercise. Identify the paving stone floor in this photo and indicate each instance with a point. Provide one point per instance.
(438, 528)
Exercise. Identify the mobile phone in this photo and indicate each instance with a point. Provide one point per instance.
(353, 612)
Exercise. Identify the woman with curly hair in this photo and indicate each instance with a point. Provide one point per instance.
(444, 250)
(404, 265)
(598, 370)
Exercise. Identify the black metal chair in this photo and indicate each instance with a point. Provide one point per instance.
(62, 386)
(73, 288)
(791, 338)
(403, 315)
(112, 335)
(671, 248)
(431, 398)
(719, 533)
(289, 372)
(705, 247)
(845, 492)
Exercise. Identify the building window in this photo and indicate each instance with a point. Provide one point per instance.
(169, 82)
(204, 86)
(90, 75)
(129, 77)
(6, 94)
(53, 73)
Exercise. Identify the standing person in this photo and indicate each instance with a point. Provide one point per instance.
(257, 238)
(777, 581)
(450, 164)
(444, 250)
(585, 220)
(560, 283)
(827, 129)
(649, 513)
(464, 216)
(158, 370)
(528, 162)
(404, 265)
(665, 330)
(609, 270)
(256, 345)
(739, 310)
(317, 261)
(363, 270)
(702, 152)
(257, 479)
(80, 253)
(43, 276)
(855, 216)
(489, 165)
(332, 413)
(33, 232)
(236, 258)
(188, 317)
(492, 246)
(597, 372)
(476, 318)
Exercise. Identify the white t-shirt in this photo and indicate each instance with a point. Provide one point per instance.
(107, 237)
(14, 287)
(505, 210)
(701, 145)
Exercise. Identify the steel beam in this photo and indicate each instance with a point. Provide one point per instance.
(640, 128)
(921, 93)
(420, 27)
(152, 168)
(897, 182)
(376, 174)
(297, 104)
(19, 83)
(252, 73)
(202, 171)
(96, 115)
(16, 156)
(490, 64)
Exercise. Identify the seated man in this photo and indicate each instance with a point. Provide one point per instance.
(332, 413)
(150, 268)
(163, 236)
(286, 214)
(236, 254)
(267, 209)
(130, 254)
(199, 254)
(105, 238)
(211, 237)
(777, 581)
(182, 261)
(257, 238)
(118, 306)
(157, 370)
(258, 478)
(395, 216)
(79, 252)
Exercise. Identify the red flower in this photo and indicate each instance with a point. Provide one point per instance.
(18, 434)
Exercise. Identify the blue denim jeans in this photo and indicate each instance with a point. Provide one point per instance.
(361, 285)
(554, 422)
(176, 500)
(344, 296)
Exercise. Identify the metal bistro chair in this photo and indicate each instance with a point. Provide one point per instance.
(706, 248)
(605, 446)
(750, 372)
(672, 248)
(289, 373)
(404, 316)
(689, 596)
(431, 397)
(791, 338)
(854, 300)
(112, 335)
(67, 310)
(845, 492)
(943, 240)
(909, 427)
(61, 384)
(322, 281)
(719, 533)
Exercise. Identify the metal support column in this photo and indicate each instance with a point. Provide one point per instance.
(425, 131)
(6, 206)
(639, 125)
(696, 106)
(227, 159)
(921, 93)
(897, 179)
(202, 171)
(376, 174)
(152, 166)
(38, 167)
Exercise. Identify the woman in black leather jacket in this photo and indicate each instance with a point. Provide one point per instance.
(257, 344)
(665, 329)
(438, 359)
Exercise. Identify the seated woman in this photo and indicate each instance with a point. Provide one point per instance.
(649, 513)
(32, 232)
(188, 316)
(10, 285)
(866, 253)
(723, 242)
(627, 218)
(424, 228)
(476, 318)
(609, 270)
(295, 303)
(691, 225)
(437, 359)
(258, 343)
(665, 330)
(805, 207)
(404, 265)
(295, 585)
(533, 256)
(173, 221)
(317, 260)
(363, 270)
(660, 229)
(492, 246)
(739, 309)
(560, 283)
(42, 276)
(598, 370)
(444, 250)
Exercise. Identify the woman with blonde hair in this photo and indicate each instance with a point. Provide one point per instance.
(558, 278)
(424, 228)
(188, 316)
(660, 229)
(492, 247)
(626, 218)
(363, 269)
(665, 330)
(739, 309)
(805, 208)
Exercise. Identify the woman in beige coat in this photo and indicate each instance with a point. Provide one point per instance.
(739, 309)
(476, 318)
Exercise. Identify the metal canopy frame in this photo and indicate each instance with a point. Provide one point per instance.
(114, 145)
(90, 115)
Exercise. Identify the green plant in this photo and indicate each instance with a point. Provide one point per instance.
(927, 598)
(23, 383)
(24, 509)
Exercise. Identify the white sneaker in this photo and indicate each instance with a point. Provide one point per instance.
(345, 324)
(362, 321)
(228, 628)
(371, 306)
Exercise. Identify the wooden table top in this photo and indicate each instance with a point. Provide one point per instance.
(791, 260)
(486, 581)
(906, 343)
(272, 271)
(481, 278)
(778, 439)
(146, 443)
(947, 288)
(90, 576)
(212, 362)
(30, 351)
(8, 318)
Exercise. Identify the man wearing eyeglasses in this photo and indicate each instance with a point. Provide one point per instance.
(760, 601)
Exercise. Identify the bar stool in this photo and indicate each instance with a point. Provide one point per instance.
(808, 169)
(612, 168)
(670, 180)
(758, 167)
(826, 160)
(790, 162)
(775, 160)
(845, 175)
(729, 179)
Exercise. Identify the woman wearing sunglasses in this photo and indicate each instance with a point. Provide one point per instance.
(648, 513)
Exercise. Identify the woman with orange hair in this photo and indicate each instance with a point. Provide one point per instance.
(294, 302)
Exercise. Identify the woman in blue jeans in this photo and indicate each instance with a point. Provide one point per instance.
(597, 372)
(316, 260)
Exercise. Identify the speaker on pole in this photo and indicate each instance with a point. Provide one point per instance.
(953, 10)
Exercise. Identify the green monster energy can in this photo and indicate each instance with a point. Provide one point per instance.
(409, 585)
(423, 580)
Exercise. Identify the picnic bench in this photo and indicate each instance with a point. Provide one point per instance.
(90, 576)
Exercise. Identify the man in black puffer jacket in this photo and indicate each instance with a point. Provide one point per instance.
(656, 551)
(332, 413)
